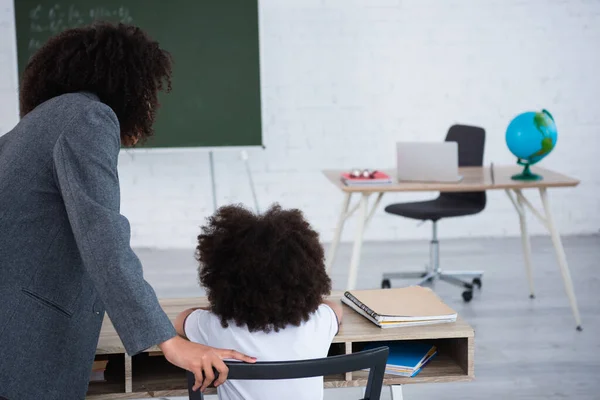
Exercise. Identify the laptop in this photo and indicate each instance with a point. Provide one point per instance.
(427, 162)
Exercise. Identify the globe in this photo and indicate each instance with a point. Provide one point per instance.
(531, 136)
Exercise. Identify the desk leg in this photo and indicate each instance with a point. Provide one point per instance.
(562, 258)
(332, 252)
(525, 242)
(128, 375)
(358, 238)
(396, 392)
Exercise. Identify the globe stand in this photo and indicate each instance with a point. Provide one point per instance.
(526, 175)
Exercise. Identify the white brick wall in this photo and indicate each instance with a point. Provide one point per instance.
(344, 79)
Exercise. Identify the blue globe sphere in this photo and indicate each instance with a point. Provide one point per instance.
(531, 136)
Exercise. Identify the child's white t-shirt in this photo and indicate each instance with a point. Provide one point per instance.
(309, 340)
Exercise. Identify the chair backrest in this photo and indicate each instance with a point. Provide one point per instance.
(374, 360)
(471, 145)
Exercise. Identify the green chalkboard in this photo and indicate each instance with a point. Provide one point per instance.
(215, 99)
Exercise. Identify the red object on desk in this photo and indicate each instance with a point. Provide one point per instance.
(378, 178)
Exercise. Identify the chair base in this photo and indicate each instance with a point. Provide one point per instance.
(470, 279)
(434, 272)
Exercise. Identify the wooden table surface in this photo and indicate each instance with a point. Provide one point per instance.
(354, 328)
(474, 179)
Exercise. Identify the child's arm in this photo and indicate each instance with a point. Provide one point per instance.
(337, 309)
(180, 320)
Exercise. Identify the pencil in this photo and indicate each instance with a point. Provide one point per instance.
(492, 173)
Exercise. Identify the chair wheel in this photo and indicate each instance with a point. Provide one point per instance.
(477, 282)
(467, 295)
(386, 284)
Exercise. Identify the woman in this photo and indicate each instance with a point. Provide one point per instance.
(65, 256)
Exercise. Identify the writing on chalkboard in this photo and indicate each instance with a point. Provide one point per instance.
(46, 21)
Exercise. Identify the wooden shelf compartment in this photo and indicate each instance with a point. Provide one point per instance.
(150, 375)
(154, 376)
(452, 363)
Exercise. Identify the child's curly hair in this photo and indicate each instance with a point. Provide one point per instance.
(265, 271)
(119, 63)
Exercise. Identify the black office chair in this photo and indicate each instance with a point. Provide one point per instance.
(471, 142)
(375, 360)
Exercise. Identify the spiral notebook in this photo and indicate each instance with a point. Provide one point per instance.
(408, 306)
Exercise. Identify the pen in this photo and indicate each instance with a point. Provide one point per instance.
(492, 172)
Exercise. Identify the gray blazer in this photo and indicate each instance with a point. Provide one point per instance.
(65, 255)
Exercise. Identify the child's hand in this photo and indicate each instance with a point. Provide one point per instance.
(200, 360)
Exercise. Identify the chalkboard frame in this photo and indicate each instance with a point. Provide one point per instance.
(120, 14)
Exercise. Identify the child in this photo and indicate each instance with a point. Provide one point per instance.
(265, 280)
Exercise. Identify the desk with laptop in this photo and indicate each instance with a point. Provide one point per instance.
(455, 169)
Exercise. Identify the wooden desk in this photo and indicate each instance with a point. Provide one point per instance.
(152, 376)
(474, 179)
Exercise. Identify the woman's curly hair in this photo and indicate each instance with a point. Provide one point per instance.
(118, 63)
(265, 271)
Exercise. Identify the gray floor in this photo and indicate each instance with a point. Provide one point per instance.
(525, 349)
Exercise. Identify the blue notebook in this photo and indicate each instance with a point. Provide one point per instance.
(406, 358)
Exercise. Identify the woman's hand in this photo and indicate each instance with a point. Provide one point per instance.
(200, 360)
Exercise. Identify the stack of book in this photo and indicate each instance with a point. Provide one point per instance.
(406, 358)
(379, 178)
(98, 370)
(399, 307)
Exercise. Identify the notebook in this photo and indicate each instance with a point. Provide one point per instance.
(406, 358)
(379, 178)
(415, 304)
(395, 324)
